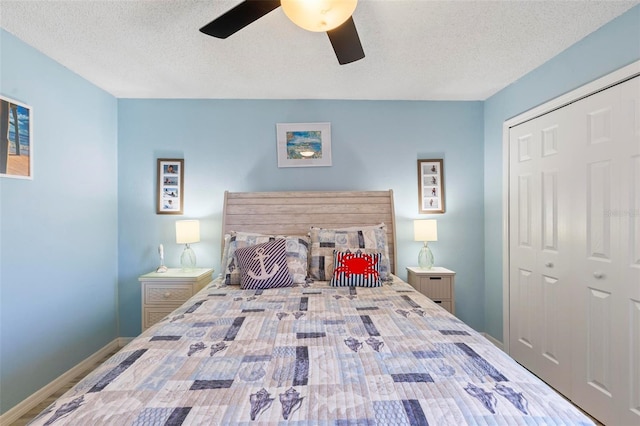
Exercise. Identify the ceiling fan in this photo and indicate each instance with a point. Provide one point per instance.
(332, 16)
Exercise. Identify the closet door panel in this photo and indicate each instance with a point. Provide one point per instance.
(634, 214)
(553, 260)
(524, 293)
(629, 217)
(598, 175)
(551, 285)
(631, 411)
(599, 192)
(539, 219)
(550, 211)
(599, 356)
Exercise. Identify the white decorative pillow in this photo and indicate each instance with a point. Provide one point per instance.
(297, 248)
(368, 239)
(264, 265)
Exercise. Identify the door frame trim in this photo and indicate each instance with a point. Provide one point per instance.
(616, 77)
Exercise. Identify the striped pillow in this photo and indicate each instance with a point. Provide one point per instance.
(264, 265)
(356, 269)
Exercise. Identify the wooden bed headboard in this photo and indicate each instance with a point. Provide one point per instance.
(293, 213)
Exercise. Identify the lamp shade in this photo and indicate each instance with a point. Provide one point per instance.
(187, 231)
(318, 15)
(425, 230)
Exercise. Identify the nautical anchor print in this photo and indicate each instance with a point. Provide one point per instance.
(260, 257)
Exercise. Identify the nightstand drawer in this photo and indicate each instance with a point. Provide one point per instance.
(161, 294)
(151, 316)
(445, 304)
(435, 287)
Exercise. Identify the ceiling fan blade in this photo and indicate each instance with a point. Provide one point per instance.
(239, 17)
(346, 43)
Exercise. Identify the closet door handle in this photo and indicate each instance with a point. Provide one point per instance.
(598, 275)
(549, 264)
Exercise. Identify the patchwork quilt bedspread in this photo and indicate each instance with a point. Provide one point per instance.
(311, 355)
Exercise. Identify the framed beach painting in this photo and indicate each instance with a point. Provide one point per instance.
(430, 186)
(170, 193)
(304, 144)
(16, 139)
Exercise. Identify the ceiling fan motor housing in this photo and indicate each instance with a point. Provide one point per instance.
(318, 15)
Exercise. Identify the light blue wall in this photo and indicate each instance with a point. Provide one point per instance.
(611, 47)
(58, 264)
(230, 145)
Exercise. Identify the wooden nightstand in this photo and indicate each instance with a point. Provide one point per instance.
(164, 292)
(437, 283)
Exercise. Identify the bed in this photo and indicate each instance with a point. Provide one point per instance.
(311, 353)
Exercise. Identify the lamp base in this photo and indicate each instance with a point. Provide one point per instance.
(188, 259)
(425, 257)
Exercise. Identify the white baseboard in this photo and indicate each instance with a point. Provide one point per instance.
(124, 341)
(40, 395)
(495, 341)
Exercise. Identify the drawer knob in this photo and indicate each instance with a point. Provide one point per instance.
(598, 275)
(549, 264)
(166, 295)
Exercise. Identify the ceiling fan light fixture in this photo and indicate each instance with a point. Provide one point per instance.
(318, 15)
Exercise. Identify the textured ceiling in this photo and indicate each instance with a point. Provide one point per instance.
(415, 49)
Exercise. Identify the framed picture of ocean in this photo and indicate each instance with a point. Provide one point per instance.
(16, 139)
(304, 144)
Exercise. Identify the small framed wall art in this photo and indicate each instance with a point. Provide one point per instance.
(430, 186)
(304, 144)
(170, 186)
(16, 144)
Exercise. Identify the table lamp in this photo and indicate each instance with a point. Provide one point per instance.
(425, 230)
(187, 232)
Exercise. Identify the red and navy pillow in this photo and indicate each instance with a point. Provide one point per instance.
(356, 269)
(264, 265)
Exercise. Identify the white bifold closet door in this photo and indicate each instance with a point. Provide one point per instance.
(540, 214)
(574, 219)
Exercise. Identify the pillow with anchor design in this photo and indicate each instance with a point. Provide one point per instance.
(264, 265)
(297, 249)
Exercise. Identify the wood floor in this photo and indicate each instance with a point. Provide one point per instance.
(22, 421)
